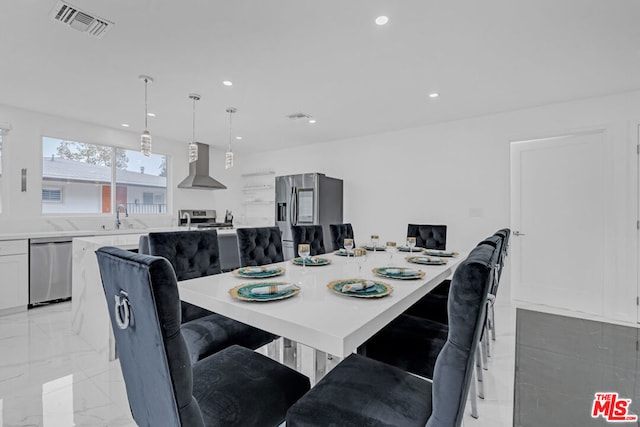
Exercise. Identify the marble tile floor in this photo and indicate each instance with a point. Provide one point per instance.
(50, 377)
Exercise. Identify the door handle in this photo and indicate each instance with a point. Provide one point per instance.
(517, 233)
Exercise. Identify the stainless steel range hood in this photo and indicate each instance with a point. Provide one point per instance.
(199, 178)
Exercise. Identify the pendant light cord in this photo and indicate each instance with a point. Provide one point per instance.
(230, 124)
(194, 120)
(146, 81)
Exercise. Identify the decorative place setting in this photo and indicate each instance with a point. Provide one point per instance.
(259, 272)
(344, 252)
(398, 273)
(373, 246)
(426, 260)
(360, 288)
(264, 291)
(410, 246)
(437, 252)
(311, 261)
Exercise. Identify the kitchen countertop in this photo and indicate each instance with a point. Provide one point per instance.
(94, 233)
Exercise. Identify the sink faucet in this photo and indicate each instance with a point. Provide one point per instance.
(118, 209)
(188, 217)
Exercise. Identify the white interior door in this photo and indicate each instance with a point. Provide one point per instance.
(558, 208)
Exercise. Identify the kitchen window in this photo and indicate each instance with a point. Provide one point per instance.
(77, 178)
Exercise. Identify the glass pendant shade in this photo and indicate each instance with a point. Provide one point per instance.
(228, 160)
(145, 143)
(145, 138)
(192, 148)
(193, 152)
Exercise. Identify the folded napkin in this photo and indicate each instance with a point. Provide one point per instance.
(272, 289)
(402, 271)
(260, 269)
(310, 260)
(428, 259)
(352, 287)
(438, 252)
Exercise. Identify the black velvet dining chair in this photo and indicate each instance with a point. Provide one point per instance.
(233, 387)
(428, 236)
(362, 391)
(310, 234)
(259, 246)
(192, 254)
(339, 232)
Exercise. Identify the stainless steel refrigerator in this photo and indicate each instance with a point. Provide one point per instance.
(305, 199)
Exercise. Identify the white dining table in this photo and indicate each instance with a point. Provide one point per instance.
(328, 322)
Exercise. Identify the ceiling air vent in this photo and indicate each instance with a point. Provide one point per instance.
(80, 20)
(297, 116)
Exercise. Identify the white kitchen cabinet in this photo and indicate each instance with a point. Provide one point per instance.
(14, 271)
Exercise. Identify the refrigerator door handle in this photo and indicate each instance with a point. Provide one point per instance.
(291, 201)
(295, 206)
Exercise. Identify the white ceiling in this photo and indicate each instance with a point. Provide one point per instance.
(324, 58)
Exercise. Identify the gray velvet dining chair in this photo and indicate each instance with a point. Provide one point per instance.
(339, 232)
(195, 254)
(361, 391)
(233, 387)
(428, 236)
(310, 234)
(259, 246)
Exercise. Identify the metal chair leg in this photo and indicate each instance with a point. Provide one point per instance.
(493, 323)
(479, 376)
(472, 396)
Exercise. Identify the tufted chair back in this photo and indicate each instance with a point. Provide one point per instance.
(191, 253)
(311, 234)
(152, 351)
(466, 306)
(428, 236)
(339, 232)
(259, 246)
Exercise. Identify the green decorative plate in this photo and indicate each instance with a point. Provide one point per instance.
(398, 273)
(415, 249)
(436, 252)
(375, 248)
(243, 292)
(380, 289)
(425, 260)
(258, 272)
(313, 261)
(343, 252)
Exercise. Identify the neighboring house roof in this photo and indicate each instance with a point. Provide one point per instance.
(62, 169)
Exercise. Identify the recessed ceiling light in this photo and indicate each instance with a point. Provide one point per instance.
(434, 95)
(312, 121)
(381, 20)
(151, 114)
(238, 137)
(227, 83)
(124, 125)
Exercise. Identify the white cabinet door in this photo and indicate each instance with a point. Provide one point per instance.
(14, 285)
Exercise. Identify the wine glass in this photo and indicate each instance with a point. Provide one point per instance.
(391, 248)
(348, 246)
(411, 242)
(361, 255)
(374, 241)
(304, 250)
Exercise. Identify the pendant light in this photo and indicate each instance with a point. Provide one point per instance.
(145, 138)
(228, 158)
(193, 147)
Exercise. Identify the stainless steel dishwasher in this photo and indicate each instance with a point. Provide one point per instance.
(49, 270)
